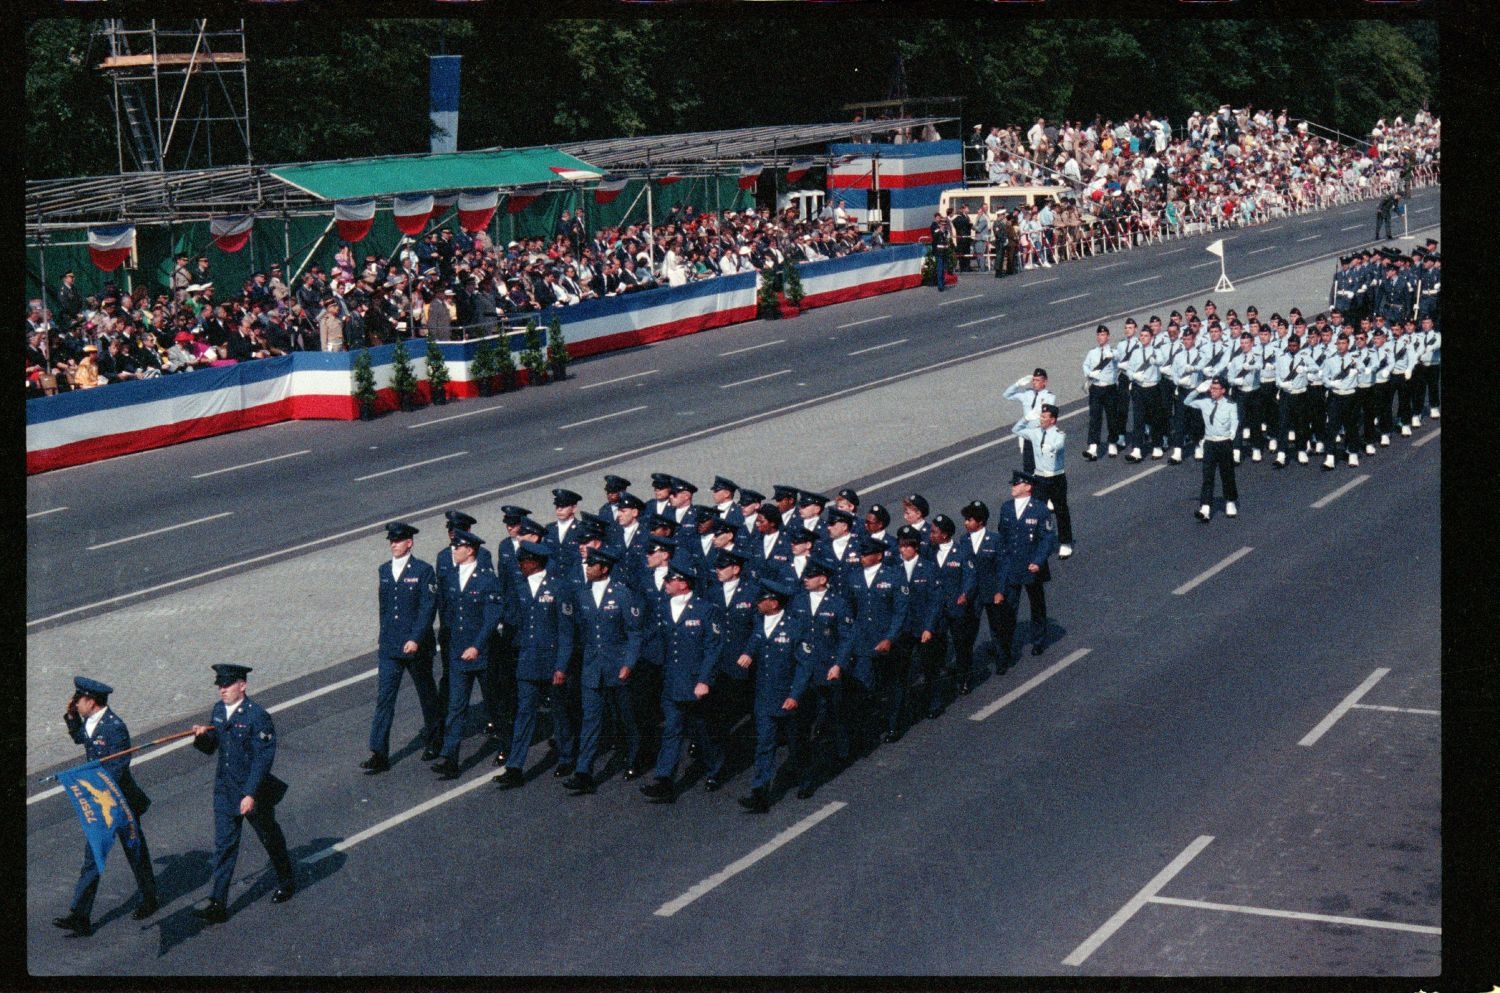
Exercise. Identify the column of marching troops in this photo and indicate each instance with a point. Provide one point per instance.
(1336, 388)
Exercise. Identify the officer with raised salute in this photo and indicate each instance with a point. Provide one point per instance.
(92, 724)
(607, 620)
(1031, 393)
(1028, 537)
(692, 632)
(408, 604)
(1100, 374)
(471, 603)
(244, 736)
(540, 646)
(1221, 426)
(828, 643)
(780, 659)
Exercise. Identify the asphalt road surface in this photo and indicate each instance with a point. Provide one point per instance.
(1225, 763)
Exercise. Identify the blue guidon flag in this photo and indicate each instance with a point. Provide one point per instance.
(102, 809)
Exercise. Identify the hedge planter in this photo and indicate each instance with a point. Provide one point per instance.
(367, 410)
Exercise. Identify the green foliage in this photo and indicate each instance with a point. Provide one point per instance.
(793, 281)
(437, 368)
(403, 376)
(505, 362)
(532, 356)
(765, 298)
(557, 348)
(364, 377)
(482, 365)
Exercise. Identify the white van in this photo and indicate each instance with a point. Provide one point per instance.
(996, 198)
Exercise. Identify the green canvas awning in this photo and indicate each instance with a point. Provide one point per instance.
(483, 170)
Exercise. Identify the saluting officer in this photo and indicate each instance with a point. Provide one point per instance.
(1028, 537)
(96, 727)
(541, 644)
(1031, 393)
(244, 735)
(408, 604)
(470, 602)
(1221, 425)
(607, 620)
(780, 658)
(692, 633)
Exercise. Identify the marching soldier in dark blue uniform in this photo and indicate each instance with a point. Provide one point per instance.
(877, 525)
(244, 788)
(96, 727)
(470, 602)
(770, 551)
(736, 596)
(921, 576)
(540, 645)
(607, 620)
(562, 534)
(614, 488)
(456, 521)
(661, 494)
(954, 604)
(692, 633)
(879, 593)
(828, 642)
(986, 558)
(780, 658)
(723, 491)
(408, 604)
(505, 553)
(1028, 537)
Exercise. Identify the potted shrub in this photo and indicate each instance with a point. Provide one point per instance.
(364, 385)
(437, 373)
(765, 299)
(482, 368)
(794, 292)
(504, 362)
(532, 356)
(403, 377)
(557, 349)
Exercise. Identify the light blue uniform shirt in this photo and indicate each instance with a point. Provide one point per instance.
(1221, 420)
(1030, 400)
(1046, 443)
(1184, 368)
(1244, 370)
(1432, 347)
(1101, 366)
(1291, 371)
(1139, 364)
(1215, 356)
(1341, 373)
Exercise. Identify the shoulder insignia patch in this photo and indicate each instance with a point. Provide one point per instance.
(567, 608)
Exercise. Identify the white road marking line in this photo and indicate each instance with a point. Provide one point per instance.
(740, 865)
(484, 779)
(982, 320)
(1076, 296)
(1268, 248)
(1049, 279)
(1396, 710)
(620, 379)
(1111, 265)
(1172, 252)
(1135, 903)
(1309, 237)
(1326, 500)
(1421, 210)
(1311, 738)
(1144, 279)
(1212, 571)
(1426, 438)
(183, 742)
(44, 513)
(454, 417)
(867, 320)
(1030, 684)
(414, 465)
(947, 303)
(170, 527)
(603, 417)
(751, 348)
(1200, 265)
(876, 348)
(755, 379)
(1296, 915)
(1129, 479)
(1351, 227)
(246, 465)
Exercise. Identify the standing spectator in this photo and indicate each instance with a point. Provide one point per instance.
(69, 299)
(982, 229)
(330, 328)
(963, 233)
(939, 232)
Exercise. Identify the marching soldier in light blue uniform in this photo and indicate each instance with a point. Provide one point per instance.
(1100, 373)
(1319, 347)
(879, 594)
(92, 724)
(1244, 377)
(1138, 364)
(781, 658)
(541, 644)
(606, 619)
(408, 604)
(1221, 426)
(1431, 366)
(693, 632)
(1291, 400)
(1049, 442)
(1185, 425)
(1268, 348)
(1404, 356)
(470, 603)
(1364, 360)
(1030, 392)
(828, 642)
(1028, 537)
(1341, 376)
(1382, 393)
(244, 736)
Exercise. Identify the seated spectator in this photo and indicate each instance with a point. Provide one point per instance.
(86, 376)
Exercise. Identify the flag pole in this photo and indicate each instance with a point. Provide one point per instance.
(1223, 285)
(130, 751)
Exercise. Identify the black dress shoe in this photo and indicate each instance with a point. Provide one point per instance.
(580, 783)
(375, 764)
(510, 779)
(214, 912)
(757, 800)
(492, 730)
(283, 893)
(565, 769)
(631, 772)
(658, 789)
(890, 738)
(1036, 649)
(712, 784)
(75, 922)
(499, 758)
(963, 687)
(428, 754)
(446, 769)
(144, 909)
(804, 792)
